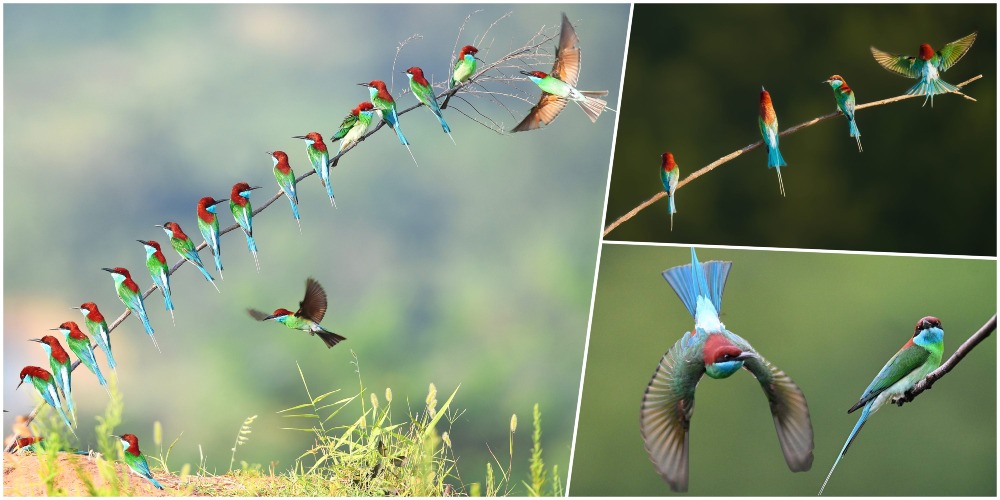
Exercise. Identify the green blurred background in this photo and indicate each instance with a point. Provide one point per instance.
(926, 181)
(830, 322)
(475, 268)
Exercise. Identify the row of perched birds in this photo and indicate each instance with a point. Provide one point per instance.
(926, 68)
(557, 88)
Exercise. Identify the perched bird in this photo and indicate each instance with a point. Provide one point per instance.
(670, 174)
(134, 458)
(713, 350)
(927, 66)
(208, 225)
(80, 345)
(353, 127)
(286, 181)
(98, 327)
(159, 270)
(768, 122)
(320, 159)
(560, 85)
(465, 66)
(307, 318)
(239, 204)
(919, 356)
(41, 380)
(62, 369)
(424, 93)
(35, 444)
(186, 249)
(131, 296)
(845, 103)
(386, 106)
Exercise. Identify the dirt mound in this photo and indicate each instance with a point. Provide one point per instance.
(22, 476)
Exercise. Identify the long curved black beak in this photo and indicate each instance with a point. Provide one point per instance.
(746, 355)
(364, 84)
(40, 341)
(269, 316)
(525, 73)
(298, 137)
(112, 271)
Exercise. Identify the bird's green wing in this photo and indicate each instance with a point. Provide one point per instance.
(313, 305)
(567, 65)
(909, 358)
(345, 127)
(257, 315)
(666, 413)
(790, 412)
(901, 65)
(952, 52)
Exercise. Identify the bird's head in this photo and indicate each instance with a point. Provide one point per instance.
(534, 74)
(310, 138)
(172, 229)
(241, 190)
(835, 81)
(49, 342)
(207, 205)
(926, 52)
(468, 50)
(64, 328)
(365, 107)
(722, 358)
(129, 442)
(668, 161)
(32, 371)
(928, 331)
(151, 245)
(279, 315)
(415, 72)
(118, 273)
(279, 157)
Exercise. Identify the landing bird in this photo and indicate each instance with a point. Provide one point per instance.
(927, 66)
(307, 318)
(286, 181)
(560, 85)
(320, 159)
(424, 93)
(670, 174)
(239, 204)
(185, 248)
(919, 356)
(768, 122)
(80, 345)
(62, 369)
(134, 458)
(353, 127)
(713, 350)
(41, 380)
(208, 225)
(465, 67)
(845, 103)
(159, 270)
(131, 296)
(386, 106)
(98, 327)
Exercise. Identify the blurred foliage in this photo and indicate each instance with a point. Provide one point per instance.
(475, 268)
(926, 181)
(830, 322)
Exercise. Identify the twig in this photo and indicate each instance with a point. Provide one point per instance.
(530, 48)
(751, 147)
(926, 383)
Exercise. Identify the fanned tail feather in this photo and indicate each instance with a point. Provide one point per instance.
(592, 106)
(774, 158)
(930, 88)
(850, 439)
(696, 279)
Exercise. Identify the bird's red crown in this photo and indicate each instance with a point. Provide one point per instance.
(766, 108)
(203, 212)
(418, 76)
(93, 314)
(133, 443)
(926, 52)
(36, 372)
(468, 49)
(668, 161)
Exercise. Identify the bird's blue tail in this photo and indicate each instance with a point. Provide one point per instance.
(158, 485)
(854, 434)
(671, 209)
(217, 252)
(695, 280)
(252, 246)
(399, 133)
(930, 88)
(774, 158)
(141, 312)
(106, 347)
(854, 128)
(167, 303)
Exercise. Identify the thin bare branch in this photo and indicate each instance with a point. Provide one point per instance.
(925, 383)
(751, 147)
